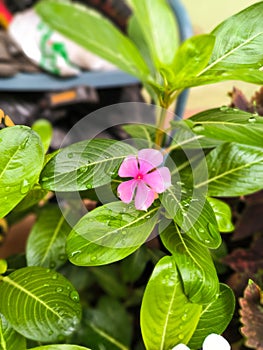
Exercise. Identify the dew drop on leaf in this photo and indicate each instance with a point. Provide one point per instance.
(88, 186)
(201, 230)
(7, 188)
(181, 336)
(59, 289)
(24, 187)
(70, 155)
(252, 119)
(54, 276)
(93, 258)
(77, 252)
(198, 128)
(74, 296)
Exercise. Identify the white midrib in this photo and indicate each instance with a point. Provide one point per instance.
(228, 54)
(31, 295)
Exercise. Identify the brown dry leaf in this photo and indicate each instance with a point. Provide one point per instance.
(251, 313)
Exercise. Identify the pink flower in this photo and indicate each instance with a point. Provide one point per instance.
(147, 179)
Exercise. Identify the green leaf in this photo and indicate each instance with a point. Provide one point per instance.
(215, 317)
(9, 338)
(60, 347)
(44, 129)
(109, 233)
(158, 24)
(143, 134)
(48, 307)
(167, 316)
(223, 215)
(107, 326)
(233, 170)
(109, 280)
(192, 56)
(228, 124)
(85, 165)
(194, 216)
(46, 245)
(33, 197)
(21, 162)
(238, 41)
(195, 265)
(133, 266)
(78, 22)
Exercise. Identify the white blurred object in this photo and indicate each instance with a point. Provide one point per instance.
(51, 50)
(212, 342)
(215, 342)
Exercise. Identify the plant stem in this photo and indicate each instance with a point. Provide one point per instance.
(160, 126)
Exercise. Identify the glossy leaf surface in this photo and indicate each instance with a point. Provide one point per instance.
(44, 129)
(158, 25)
(233, 170)
(215, 316)
(47, 239)
(78, 22)
(167, 316)
(228, 125)
(223, 214)
(194, 215)
(109, 233)
(9, 338)
(21, 162)
(48, 307)
(60, 347)
(85, 165)
(199, 277)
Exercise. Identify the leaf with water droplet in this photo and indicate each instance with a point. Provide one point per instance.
(20, 166)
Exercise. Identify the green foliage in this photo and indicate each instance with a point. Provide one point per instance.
(9, 338)
(84, 165)
(167, 316)
(109, 233)
(48, 308)
(216, 153)
(46, 245)
(21, 162)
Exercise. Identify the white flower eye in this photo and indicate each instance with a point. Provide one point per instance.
(215, 342)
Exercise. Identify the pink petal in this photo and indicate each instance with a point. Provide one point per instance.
(149, 159)
(126, 190)
(129, 167)
(159, 180)
(144, 196)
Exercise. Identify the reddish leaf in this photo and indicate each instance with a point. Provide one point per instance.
(252, 316)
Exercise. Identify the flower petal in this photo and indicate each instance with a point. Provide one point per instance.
(129, 167)
(126, 190)
(215, 342)
(159, 180)
(144, 196)
(149, 159)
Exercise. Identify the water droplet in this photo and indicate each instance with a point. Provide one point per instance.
(123, 232)
(59, 289)
(54, 276)
(82, 169)
(52, 264)
(5, 198)
(46, 285)
(201, 230)
(224, 108)
(50, 332)
(93, 258)
(181, 336)
(252, 119)
(70, 155)
(74, 296)
(48, 270)
(24, 187)
(24, 143)
(7, 188)
(184, 213)
(77, 252)
(167, 277)
(62, 257)
(184, 317)
(207, 241)
(198, 128)
(88, 186)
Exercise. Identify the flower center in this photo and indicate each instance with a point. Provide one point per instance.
(139, 176)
